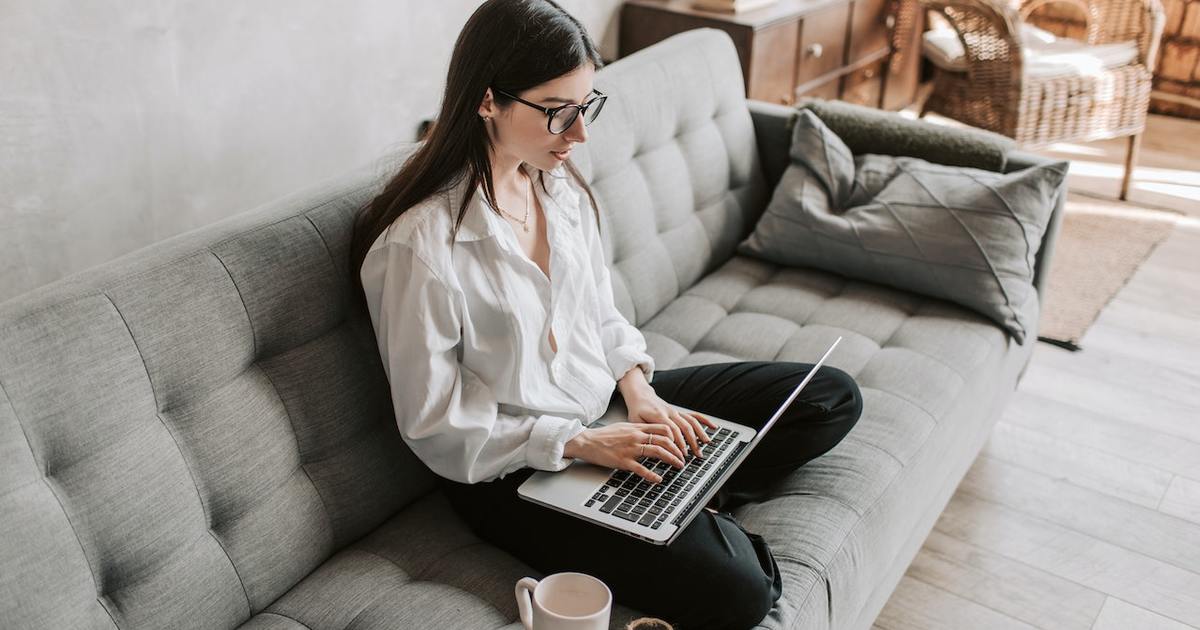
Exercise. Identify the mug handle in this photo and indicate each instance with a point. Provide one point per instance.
(524, 592)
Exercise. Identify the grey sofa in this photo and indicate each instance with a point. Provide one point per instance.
(199, 434)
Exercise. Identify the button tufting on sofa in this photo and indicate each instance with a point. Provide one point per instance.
(199, 434)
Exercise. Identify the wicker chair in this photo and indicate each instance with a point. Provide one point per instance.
(995, 94)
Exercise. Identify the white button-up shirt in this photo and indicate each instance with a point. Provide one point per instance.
(464, 334)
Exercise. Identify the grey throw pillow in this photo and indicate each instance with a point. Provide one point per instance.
(965, 235)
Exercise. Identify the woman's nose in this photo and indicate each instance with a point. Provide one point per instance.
(577, 131)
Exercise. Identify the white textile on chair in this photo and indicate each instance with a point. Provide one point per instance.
(1046, 55)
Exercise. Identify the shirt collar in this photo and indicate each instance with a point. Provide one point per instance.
(479, 220)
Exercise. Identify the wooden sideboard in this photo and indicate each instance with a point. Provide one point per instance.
(862, 51)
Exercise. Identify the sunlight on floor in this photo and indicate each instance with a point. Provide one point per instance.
(1185, 180)
(1076, 149)
(1091, 205)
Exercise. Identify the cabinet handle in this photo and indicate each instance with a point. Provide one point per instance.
(815, 50)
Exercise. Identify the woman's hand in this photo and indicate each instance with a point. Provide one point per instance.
(685, 426)
(621, 444)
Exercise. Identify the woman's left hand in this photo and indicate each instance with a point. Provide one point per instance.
(686, 426)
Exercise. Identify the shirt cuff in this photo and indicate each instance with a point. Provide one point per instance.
(622, 359)
(546, 442)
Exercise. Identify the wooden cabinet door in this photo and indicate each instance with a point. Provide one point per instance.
(829, 90)
(822, 45)
(772, 64)
(869, 29)
(865, 85)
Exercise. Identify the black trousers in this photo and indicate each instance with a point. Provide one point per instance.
(716, 574)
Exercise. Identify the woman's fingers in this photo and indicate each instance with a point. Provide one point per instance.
(689, 431)
(706, 420)
(677, 436)
(669, 439)
(673, 432)
(675, 440)
(698, 428)
(644, 472)
(659, 452)
(664, 438)
(665, 455)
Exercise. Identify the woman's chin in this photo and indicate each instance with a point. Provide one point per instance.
(547, 163)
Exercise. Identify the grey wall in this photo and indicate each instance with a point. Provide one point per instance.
(123, 123)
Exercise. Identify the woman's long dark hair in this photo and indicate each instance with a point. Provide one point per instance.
(512, 45)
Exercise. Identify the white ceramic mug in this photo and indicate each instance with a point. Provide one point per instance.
(564, 601)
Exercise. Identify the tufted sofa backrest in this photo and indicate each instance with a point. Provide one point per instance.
(189, 430)
(674, 164)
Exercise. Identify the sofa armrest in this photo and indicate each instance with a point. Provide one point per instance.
(773, 133)
(1018, 160)
(869, 130)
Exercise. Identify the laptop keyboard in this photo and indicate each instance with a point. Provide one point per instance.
(627, 495)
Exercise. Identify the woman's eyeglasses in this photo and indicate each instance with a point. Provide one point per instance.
(560, 119)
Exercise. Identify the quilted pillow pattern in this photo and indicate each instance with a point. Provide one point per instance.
(965, 235)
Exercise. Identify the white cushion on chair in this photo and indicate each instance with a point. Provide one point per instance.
(1045, 54)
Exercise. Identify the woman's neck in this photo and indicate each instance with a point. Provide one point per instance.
(505, 175)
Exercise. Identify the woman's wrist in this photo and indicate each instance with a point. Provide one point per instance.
(633, 385)
(573, 448)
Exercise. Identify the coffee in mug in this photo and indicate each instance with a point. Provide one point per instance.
(564, 601)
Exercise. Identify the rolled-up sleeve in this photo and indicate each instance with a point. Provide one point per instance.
(624, 345)
(446, 414)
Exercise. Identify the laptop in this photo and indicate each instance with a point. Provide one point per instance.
(623, 501)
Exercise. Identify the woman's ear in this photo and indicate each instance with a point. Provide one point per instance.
(487, 108)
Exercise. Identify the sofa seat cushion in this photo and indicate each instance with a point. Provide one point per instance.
(751, 309)
(423, 568)
(915, 358)
(928, 371)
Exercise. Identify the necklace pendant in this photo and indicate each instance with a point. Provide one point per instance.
(526, 226)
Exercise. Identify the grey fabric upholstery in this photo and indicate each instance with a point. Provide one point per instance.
(963, 234)
(199, 435)
(867, 130)
(675, 168)
(772, 132)
(199, 425)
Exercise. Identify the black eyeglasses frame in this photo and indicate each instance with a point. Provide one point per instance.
(580, 110)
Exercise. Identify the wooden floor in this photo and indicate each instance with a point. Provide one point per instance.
(1083, 510)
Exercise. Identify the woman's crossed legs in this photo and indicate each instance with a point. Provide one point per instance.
(715, 574)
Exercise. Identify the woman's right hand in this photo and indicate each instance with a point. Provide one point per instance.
(621, 444)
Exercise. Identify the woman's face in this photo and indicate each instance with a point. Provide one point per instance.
(519, 131)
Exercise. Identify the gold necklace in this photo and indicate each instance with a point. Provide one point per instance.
(525, 221)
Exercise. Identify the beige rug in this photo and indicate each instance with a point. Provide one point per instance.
(1101, 245)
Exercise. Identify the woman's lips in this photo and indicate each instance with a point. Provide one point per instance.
(562, 155)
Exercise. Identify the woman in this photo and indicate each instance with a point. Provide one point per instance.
(482, 269)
